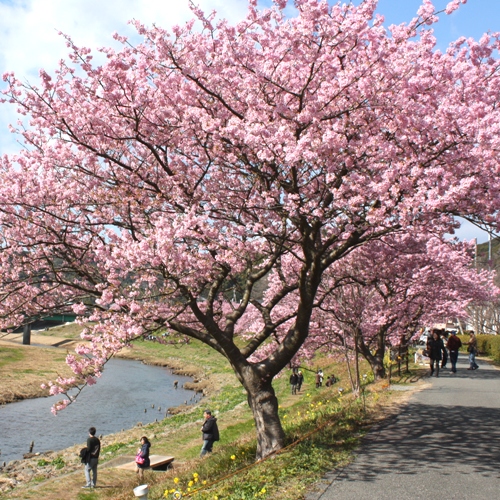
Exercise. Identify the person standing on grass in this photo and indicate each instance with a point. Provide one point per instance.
(210, 432)
(92, 459)
(143, 453)
(454, 344)
(300, 380)
(294, 381)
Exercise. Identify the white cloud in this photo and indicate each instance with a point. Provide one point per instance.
(29, 38)
(28, 29)
(468, 231)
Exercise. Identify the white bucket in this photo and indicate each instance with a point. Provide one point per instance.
(142, 491)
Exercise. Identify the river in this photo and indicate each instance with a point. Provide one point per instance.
(116, 402)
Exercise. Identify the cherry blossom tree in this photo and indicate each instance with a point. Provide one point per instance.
(398, 284)
(191, 167)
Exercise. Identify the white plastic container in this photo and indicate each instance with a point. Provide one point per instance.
(142, 492)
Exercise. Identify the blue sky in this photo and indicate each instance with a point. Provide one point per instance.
(29, 39)
(471, 20)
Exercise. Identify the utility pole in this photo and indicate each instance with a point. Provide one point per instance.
(489, 252)
(476, 319)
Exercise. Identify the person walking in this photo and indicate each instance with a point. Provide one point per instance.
(435, 348)
(444, 337)
(472, 350)
(210, 432)
(294, 381)
(93, 450)
(142, 458)
(454, 344)
(300, 380)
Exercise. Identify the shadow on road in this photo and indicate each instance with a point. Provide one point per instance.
(442, 436)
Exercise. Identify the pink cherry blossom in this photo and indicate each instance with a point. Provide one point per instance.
(216, 183)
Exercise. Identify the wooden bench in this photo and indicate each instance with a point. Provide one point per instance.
(157, 462)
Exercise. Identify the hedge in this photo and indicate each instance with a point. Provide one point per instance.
(488, 345)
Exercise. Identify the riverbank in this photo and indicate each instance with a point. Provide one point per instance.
(332, 425)
(24, 368)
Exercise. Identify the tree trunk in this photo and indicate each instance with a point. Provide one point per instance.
(356, 372)
(376, 360)
(346, 353)
(264, 405)
(27, 334)
(378, 369)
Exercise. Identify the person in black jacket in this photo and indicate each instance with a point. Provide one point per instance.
(294, 381)
(454, 344)
(300, 380)
(92, 459)
(435, 348)
(210, 432)
(143, 453)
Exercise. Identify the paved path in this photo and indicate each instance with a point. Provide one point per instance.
(39, 340)
(444, 444)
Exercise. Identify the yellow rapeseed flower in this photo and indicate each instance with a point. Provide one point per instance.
(190, 483)
(195, 474)
(176, 480)
(233, 457)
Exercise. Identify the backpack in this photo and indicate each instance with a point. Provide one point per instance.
(84, 455)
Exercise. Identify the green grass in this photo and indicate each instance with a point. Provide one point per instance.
(321, 434)
(10, 355)
(87, 495)
(114, 448)
(322, 430)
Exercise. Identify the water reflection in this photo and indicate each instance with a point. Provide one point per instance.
(117, 402)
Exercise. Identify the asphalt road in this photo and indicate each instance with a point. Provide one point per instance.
(444, 444)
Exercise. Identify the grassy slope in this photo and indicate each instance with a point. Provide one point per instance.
(24, 368)
(286, 476)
